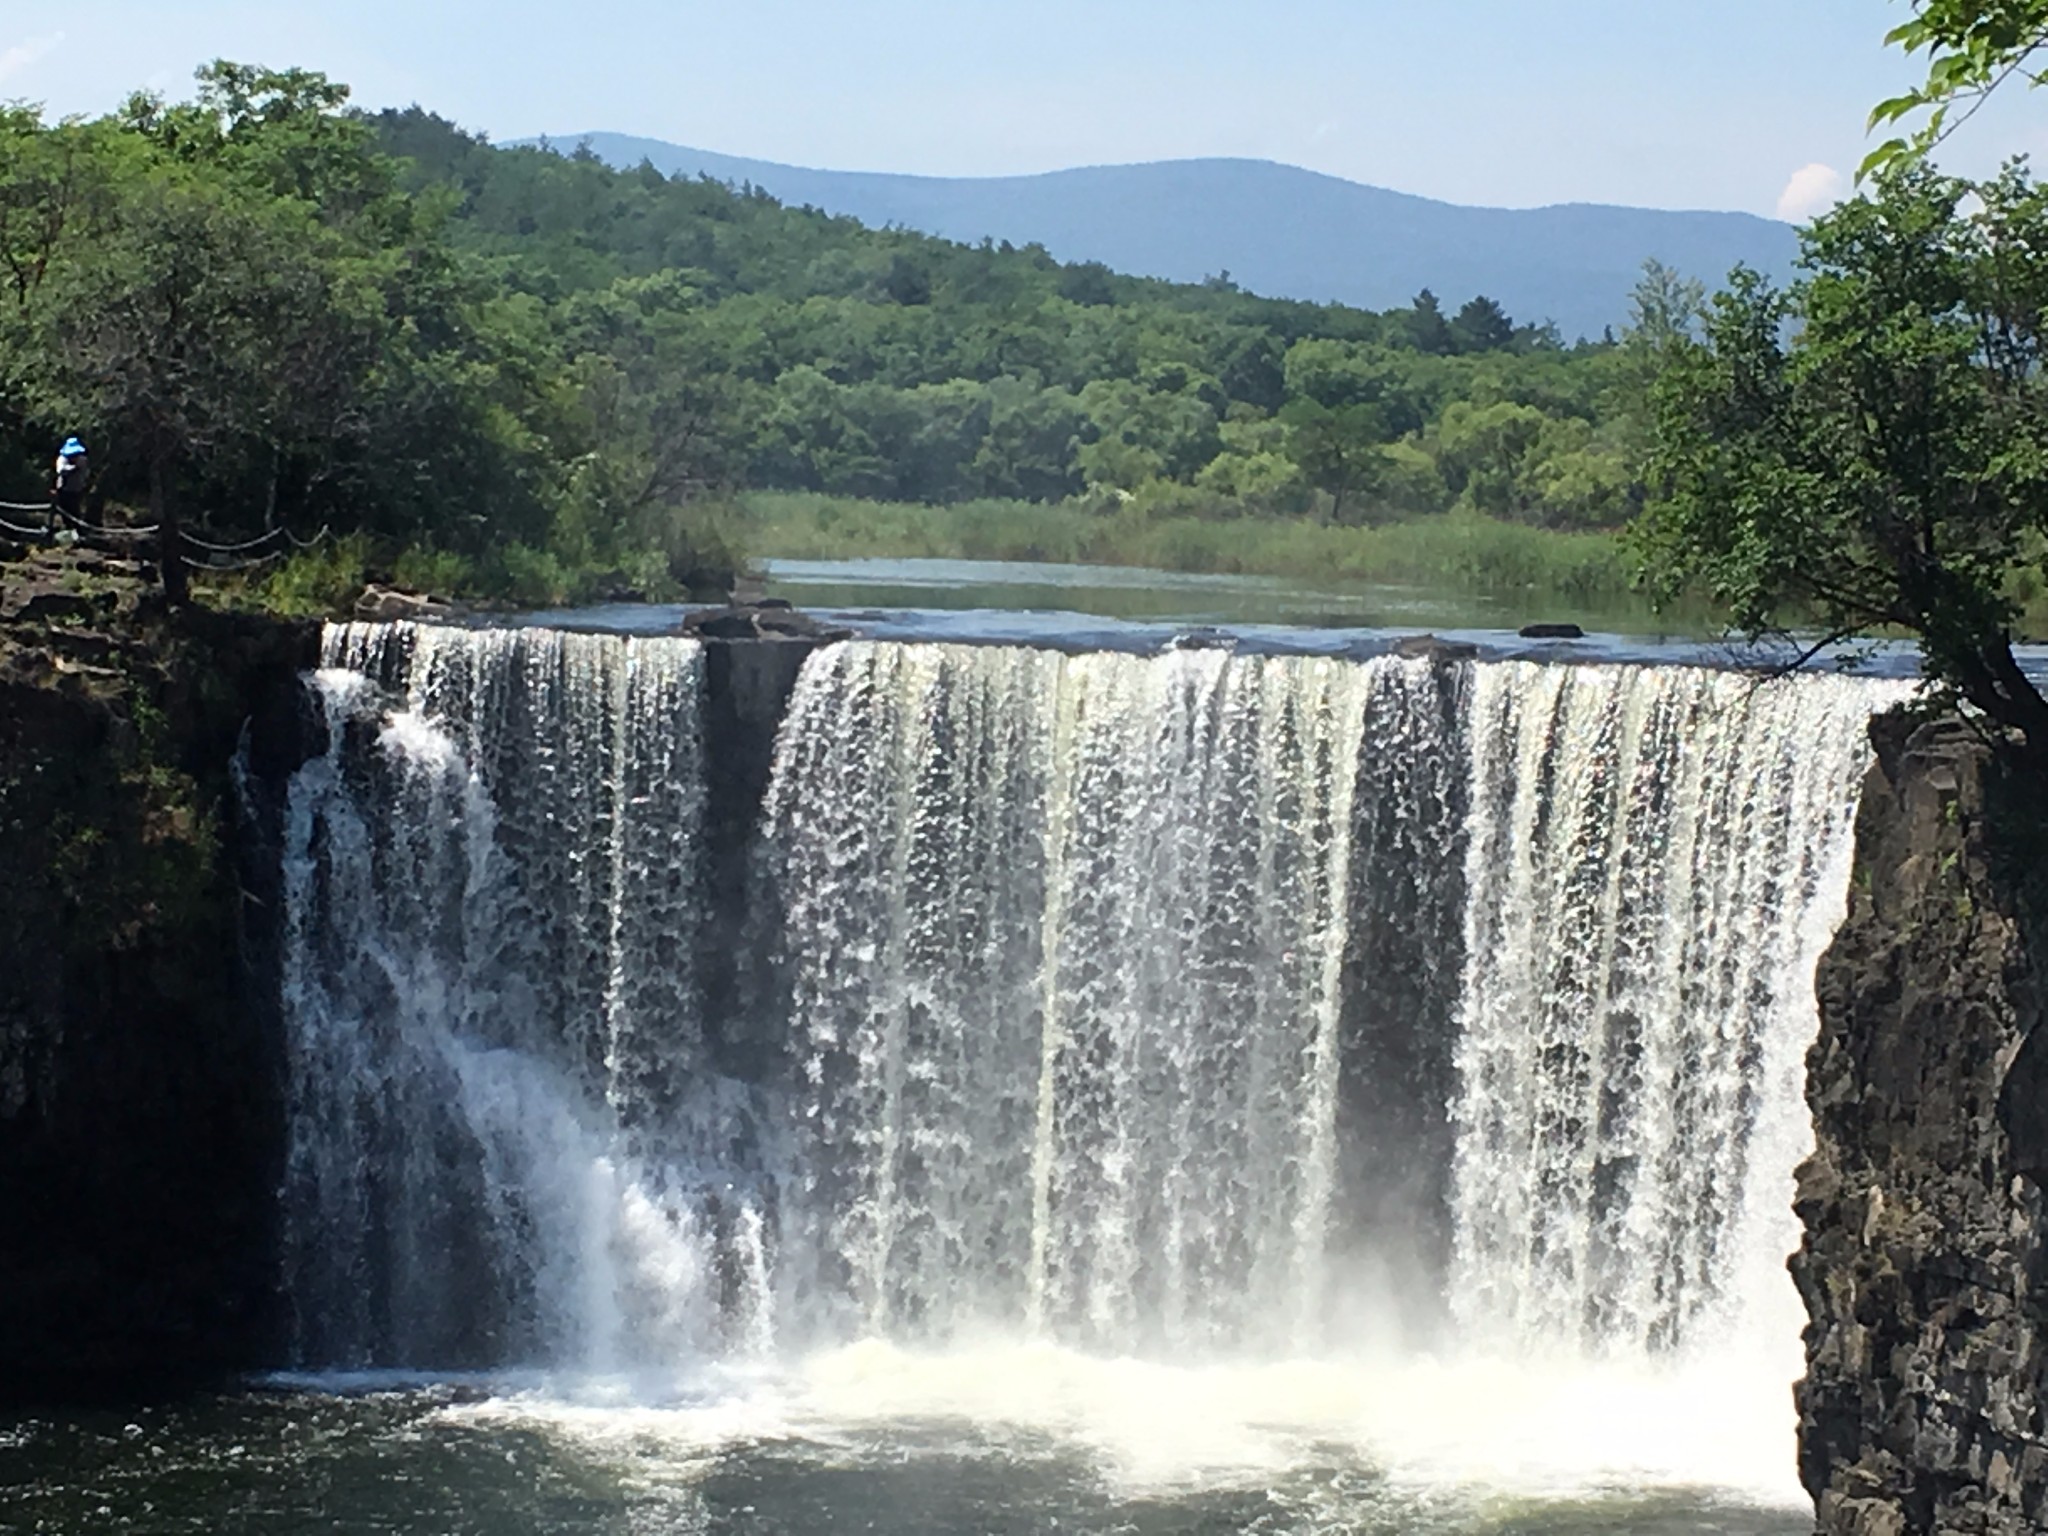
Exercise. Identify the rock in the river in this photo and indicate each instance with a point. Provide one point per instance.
(1551, 632)
(769, 619)
(392, 604)
(1923, 1261)
(1430, 647)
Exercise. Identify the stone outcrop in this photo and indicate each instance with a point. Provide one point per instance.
(748, 679)
(1433, 648)
(140, 1121)
(378, 604)
(1922, 1265)
(771, 618)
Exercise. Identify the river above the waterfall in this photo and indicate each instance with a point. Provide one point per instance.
(1078, 608)
(1140, 594)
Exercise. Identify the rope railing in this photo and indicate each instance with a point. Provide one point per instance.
(269, 536)
(224, 564)
(146, 531)
(212, 555)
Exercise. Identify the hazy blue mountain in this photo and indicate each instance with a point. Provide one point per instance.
(1277, 229)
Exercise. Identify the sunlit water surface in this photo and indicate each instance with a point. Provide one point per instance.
(870, 1438)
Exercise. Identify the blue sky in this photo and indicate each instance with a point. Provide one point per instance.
(1754, 104)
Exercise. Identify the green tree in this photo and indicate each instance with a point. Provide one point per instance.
(908, 283)
(1254, 371)
(1480, 451)
(1338, 450)
(1569, 477)
(1337, 373)
(57, 192)
(199, 322)
(1087, 283)
(1428, 330)
(658, 413)
(1664, 307)
(1481, 326)
(1885, 466)
(1972, 48)
(1028, 449)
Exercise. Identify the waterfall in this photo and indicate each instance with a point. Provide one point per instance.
(1657, 858)
(498, 1149)
(1064, 944)
(1200, 1005)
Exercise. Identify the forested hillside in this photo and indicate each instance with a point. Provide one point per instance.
(1280, 229)
(539, 373)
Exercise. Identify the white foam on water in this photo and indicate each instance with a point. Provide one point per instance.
(1478, 1429)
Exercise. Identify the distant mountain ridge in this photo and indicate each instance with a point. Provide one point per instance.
(1277, 229)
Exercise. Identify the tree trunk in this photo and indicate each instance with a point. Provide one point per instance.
(1993, 681)
(170, 548)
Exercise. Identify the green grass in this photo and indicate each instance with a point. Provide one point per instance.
(1452, 551)
(308, 583)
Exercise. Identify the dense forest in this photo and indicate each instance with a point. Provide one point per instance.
(537, 374)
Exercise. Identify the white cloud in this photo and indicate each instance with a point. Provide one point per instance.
(17, 57)
(1811, 189)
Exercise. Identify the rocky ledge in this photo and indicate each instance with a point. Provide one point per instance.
(1922, 1265)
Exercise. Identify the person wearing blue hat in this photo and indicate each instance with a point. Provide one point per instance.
(73, 470)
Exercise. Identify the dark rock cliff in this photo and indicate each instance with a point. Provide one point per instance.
(140, 1123)
(1922, 1265)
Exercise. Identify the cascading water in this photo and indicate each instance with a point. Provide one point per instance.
(1200, 1006)
(1064, 943)
(500, 1135)
(1658, 857)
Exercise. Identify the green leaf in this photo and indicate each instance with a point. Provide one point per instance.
(1884, 155)
(1894, 109)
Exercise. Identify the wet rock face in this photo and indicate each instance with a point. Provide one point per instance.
(140, 1123)
(1922, 1268)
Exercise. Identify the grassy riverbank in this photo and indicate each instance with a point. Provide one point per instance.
(1453, 551)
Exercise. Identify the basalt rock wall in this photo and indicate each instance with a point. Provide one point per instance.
(140, 1124)
(1922, 1267)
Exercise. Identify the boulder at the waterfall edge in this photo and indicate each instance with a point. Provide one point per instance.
(768, 619)
(387, 605)
(1434, 648)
